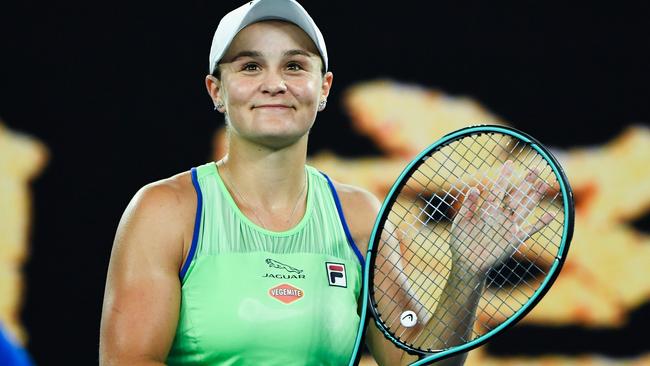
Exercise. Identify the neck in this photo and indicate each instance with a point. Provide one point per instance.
(269, 179)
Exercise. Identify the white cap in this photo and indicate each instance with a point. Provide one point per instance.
(256, 11)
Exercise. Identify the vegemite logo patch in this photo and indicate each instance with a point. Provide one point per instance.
(286, 293)
(336, 274)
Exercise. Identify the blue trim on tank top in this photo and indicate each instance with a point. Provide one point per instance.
(339, 209)
(197, 224)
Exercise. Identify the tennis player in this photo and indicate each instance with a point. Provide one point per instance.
(255, 259)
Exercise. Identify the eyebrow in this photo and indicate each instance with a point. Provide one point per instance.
(254, 54)
(251, 54)
(297, 52)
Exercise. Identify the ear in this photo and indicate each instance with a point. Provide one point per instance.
(213, 85)
(327, 85)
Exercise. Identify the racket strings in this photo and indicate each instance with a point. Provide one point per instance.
(422, 215)
(531, 164)
(411, 286)
(423, 211)
(539, 162)
(427, 202)
(397, 237)
(491, 317)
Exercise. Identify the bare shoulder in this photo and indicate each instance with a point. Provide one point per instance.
(163, 208)
(360, 208)
(173, 192)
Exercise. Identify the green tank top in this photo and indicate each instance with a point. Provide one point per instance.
(251, 296)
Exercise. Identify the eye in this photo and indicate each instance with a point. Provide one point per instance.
(294, 66)
(250, 66)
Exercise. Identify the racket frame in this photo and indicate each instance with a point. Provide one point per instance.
(567, 234)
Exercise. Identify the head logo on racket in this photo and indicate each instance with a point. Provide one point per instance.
(408, 318)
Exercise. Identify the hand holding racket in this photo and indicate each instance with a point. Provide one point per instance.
(468, 240)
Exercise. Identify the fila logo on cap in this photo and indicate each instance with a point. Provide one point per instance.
(336, 274)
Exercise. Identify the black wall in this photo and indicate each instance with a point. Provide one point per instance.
(116, 91)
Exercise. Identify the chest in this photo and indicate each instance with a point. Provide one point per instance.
(301, 307)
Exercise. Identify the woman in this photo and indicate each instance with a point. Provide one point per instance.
(255, 259)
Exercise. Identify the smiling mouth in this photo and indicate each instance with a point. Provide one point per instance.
(272, 106)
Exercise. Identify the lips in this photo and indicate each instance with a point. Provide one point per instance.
(272, 106)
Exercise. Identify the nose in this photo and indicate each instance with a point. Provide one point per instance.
(273, 84)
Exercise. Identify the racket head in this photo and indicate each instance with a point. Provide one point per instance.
(554, 256)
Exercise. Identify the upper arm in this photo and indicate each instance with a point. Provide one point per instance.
(142, 296)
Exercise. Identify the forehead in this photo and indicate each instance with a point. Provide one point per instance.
(270, 37)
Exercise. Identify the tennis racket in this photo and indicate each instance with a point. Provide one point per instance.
(468, 240)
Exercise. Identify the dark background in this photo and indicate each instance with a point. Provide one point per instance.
(116, 91)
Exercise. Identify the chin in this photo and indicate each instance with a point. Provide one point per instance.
(278, 142)
(275, 133)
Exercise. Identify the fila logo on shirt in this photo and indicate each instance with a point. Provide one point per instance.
(336, 274)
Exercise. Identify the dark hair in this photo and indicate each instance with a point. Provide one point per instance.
(217, 72)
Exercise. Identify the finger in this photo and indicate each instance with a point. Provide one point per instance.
(538, 191)
(499, 189)
(530, 230)
(526, 196)
(522, 190)
(470, 204)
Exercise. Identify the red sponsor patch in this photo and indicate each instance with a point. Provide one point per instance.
(286, 293)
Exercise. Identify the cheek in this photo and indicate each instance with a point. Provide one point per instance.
(239, 92)
(308, 92)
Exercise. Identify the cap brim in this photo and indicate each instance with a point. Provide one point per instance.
(285, 10)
